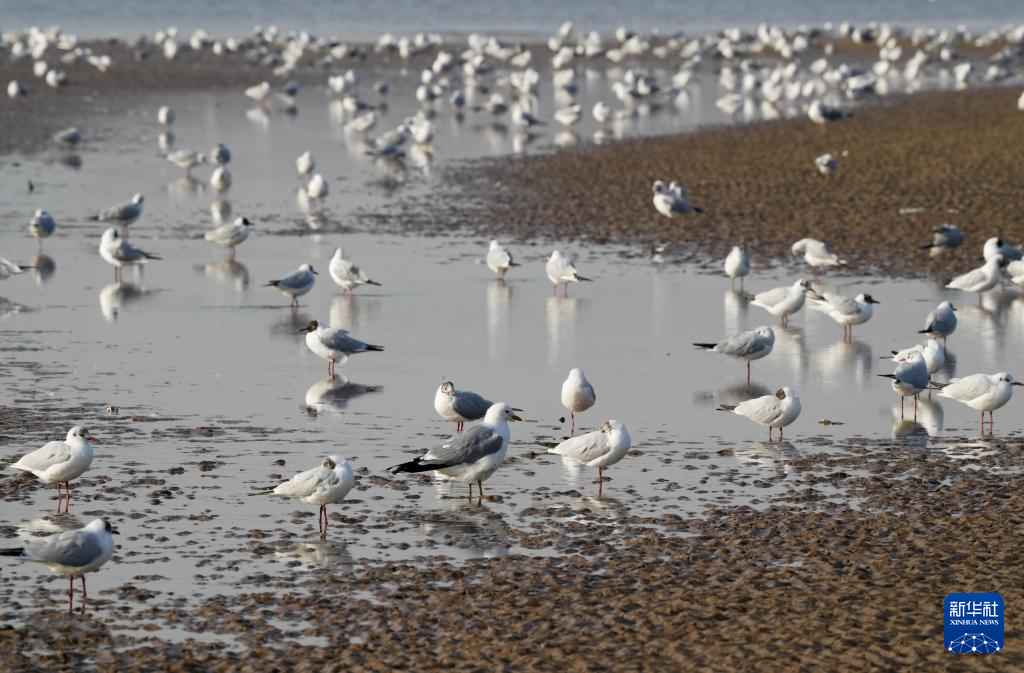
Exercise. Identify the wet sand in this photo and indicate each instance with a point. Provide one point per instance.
(905, 166)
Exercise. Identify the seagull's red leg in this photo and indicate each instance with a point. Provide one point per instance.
(600, 480)
(748, 372)
(572, 414)
(71, 595)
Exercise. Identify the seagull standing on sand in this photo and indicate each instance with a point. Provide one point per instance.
(577, 394)
(499, 259)
(822, 114)
(845, 311)
(944, 237)
(60, 462)
(941, 322)
(817, 254)
(737, 264)
(70, 136)
(562, 271)
(120, 253)
(749, 346)
(601, 448)
(296, 284)
(42, 225)
(122, 214)
(324, 485)
(231, 234)
(979, 280)
(472, 456)
(784, 301)
(982, 392)
(346, 273)
(73, 552)
(459, 406)
(910, 378)
(771, 411)
(672, 201)
(334, 344)
(165, 116)
(827, 164)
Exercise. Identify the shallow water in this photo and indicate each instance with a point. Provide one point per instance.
(205, 364)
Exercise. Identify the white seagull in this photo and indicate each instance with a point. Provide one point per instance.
(980, 280)
(324, 485)
(771, 411)
(472, 456)
(601, 448)
(817, 254)
(737, 263)
(334, 344)
(499, 259)
(317, 187)
(982, 392)
(305, 164)
(165, 116)
(941, 322)
(910, 378)
(346, 273)
(296, 284)
(749, 346)
(187, 159)
(42, 225)
(932, 350)
(562, 271)
(60, 462)
(120, 253)
(231, 234)
(122, 214)
(672, 200)
(827, 164)
(459, 406)
(577, 394)
(784, 301)
(73, 552)
(995, 246)
(845, 311)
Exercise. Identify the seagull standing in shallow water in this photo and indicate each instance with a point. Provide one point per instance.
(346, 273)
(73, 552)
(231, 234)
(122, 214)
(60, 462)
(297, 283)
(577, 394)
(910, 378)
(499, 259)
(980, 280)
(459, 406)
(941, 322)
(324, 485)
(601, 448)
(472, 456)
(845, 311)
(771, 411)
(737, 264)
(817, 254)
(334, 344)
(982, 392)
(120, 253)
(784, 301)
(562, 271)
(42, 225)
(749, 346)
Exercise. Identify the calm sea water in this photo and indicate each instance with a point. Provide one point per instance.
(350, 19)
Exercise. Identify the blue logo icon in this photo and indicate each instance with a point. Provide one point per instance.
(974, 623)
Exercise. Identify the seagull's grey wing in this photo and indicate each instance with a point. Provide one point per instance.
(764, 410)
(52, 453)
(968, 279)
(70, 548)
(340, 340)
(741, 345)
(914, 373)
(842, 305)
(121, 211)
(584, 448)
(771, 297)
(968, 388)
(126, 252)
(305, 483)
(465, 448)
(8, 268)
(470, 405)
(294, 280)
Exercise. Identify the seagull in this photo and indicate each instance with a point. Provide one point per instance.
(568, 116)
(910, 377)
(980, 280)
(845, 311)
(259, 93)
(220, 179)
(42, 225)
(523, 118)
(324, 485)
(60, 462)
(165, 116)
(932, 350)
(334, 344)
(577, 394)
(995, 246)
(561, 271)
(672, 202)
(220, 154)
(472, 456)
(231, 234)
(499, 259)
(459, 406)
(122, 214)
(73, 552)
(602, 112)
(16, 89)
(297, 283)
(941, 322)
(827, 164)
(601, 448)
(772, 411)
(982, 392)
(305, 164)
(187, 159)
(784, 301)
(347, 274)
(737, 264)
(9, 268)
(1015, 272)
(70, 136)
(749, 346)
(945, 237)
(317, 187)
(118, 252)
(822, 114)
(817, 254)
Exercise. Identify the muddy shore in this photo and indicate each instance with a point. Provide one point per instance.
(905, 166)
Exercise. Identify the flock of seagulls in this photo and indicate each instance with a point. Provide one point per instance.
(768, 70)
